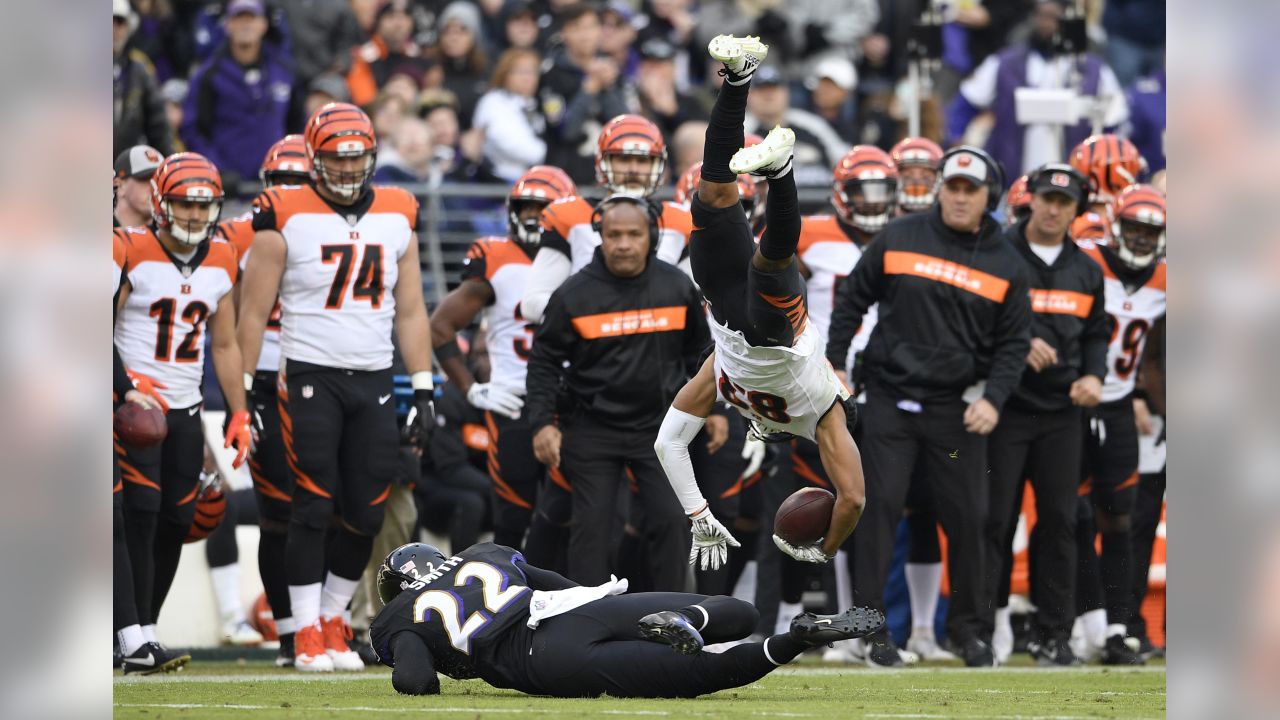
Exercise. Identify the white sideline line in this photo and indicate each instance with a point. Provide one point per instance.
(469, 710)
(181, 677)
(985, 717)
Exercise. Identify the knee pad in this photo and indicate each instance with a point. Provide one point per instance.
(1114, 502)
(179, 515)
(366, 520)
(311, 511)
(1109, 522)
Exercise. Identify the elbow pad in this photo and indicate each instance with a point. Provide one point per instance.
(678, 429)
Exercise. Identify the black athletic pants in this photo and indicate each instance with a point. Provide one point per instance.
(955, 462)
(1044, 448)
(1146, 521)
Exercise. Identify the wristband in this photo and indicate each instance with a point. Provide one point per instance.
(449, 350)
(421, 380)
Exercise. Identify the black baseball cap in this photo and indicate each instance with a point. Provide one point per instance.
(1058, 178)
(766, 75)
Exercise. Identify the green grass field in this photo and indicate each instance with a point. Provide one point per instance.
(803, 690)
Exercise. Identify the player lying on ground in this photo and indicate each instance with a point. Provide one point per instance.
(486, 613)
(768, 362)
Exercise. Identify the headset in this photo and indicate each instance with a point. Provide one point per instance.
(1084, 184)
(995, 173)
(652, 210)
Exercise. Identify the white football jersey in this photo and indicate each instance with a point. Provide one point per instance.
(567, 228)
(337, 295)
(160, 331)
(831, 256)
(505, 266)
(1132, 315)
(239, 232)
(781, 389)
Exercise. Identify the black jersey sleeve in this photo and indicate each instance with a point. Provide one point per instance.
(414, 672)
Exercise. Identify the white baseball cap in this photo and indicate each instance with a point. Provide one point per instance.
(965, 165)
(838, 70)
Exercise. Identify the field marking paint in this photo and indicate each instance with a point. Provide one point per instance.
(418, 710)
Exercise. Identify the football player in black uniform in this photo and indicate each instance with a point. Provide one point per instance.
(486, 613)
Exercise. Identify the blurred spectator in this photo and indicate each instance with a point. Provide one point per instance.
(817, 147)
(240, 101)
(1037, 63)
(831, 86)
(1135, 37)
(519, 25)
(509, 118)
(580, 92)
(746, 17)
(686, 147)
(674, 21)
(660, 100)
(174, 92)
(1146, 126)
(618, 37)
(828, 28)
(137, 108)
(391, 47)
(405, 83)
(324, 89)
(387, 112)
(407, 157)
(323, 35)
(461, 56)
(366, 14)
(132, 185)
(162, 37)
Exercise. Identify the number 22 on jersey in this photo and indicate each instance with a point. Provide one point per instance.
(496, 596)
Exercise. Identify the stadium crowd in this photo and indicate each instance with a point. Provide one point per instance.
(526, 406)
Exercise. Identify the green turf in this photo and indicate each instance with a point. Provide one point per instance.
(256, 690)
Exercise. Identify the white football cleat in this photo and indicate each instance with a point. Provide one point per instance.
(769, 158)
(923, 644)
(241, 634)
(740, 55)
(845, 651)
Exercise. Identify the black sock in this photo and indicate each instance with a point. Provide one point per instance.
(782, 219)
(784, 648)
(740, 556)
(271, 564)
(721, 618)
(544, 546)
(725, 135)
(794, 576)
(304, 554)
(140, 538)
(349, 554)
(168, 548)
(1117, 568)
(1088, 582)
(124, 607)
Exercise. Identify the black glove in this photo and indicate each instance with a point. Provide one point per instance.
(421, 421)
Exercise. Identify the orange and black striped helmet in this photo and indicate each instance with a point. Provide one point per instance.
(748, 194)
(630, 135)
(541, 185)
(869, 172)
(1139, 210)
(336, 131)
(286, 163)
(1112, 162)
(1017, 202)
(186, 177)
(915, 193)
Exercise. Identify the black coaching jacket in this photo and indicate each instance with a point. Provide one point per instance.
(630, 343)
(1068, 309)
(954, 310)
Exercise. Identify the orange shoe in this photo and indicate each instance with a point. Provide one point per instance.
(336, 634)
(309, 650)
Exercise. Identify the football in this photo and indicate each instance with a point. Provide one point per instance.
(138, 426)
(804, 517)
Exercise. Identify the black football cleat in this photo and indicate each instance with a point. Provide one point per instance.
(1118, 652)
(153, 658)
(815, 630)
(671, 628)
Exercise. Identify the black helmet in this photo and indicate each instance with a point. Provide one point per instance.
(407, 564)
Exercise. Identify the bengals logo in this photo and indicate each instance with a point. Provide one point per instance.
(1059, 180)
(964, 160)
(153, 156)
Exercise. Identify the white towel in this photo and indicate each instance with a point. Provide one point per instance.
(550, 603)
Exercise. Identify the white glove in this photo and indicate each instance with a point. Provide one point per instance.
(805, 553)
(487, 397)
(753, 452)
(711, 541)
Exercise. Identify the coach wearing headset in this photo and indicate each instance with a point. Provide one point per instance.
(949, 348)
(1040, 430)
(630, 328)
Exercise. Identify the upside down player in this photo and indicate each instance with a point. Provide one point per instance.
(767, 361)
(486, 613)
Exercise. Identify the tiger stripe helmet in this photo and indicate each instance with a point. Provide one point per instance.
(1017, 202)
(630, 135)
(1112, 162)
(863, 187)
(186, 177)
(541, 185)
(1138, 210)
(341, 130)
(286, 163)
(915, 193)
(687, 186)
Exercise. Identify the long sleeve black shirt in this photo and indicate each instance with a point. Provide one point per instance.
(630, 344)
(954, 309)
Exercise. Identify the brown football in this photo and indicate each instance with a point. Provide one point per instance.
(138, 426)
(804, 517)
